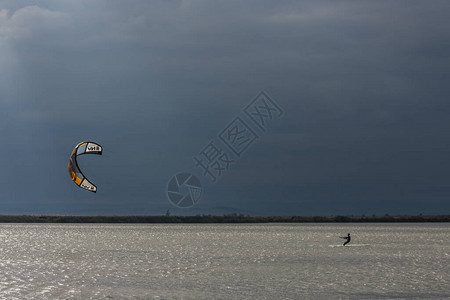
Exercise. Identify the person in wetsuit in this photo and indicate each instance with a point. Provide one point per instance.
(347, 239)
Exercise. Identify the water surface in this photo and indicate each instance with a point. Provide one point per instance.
(224, 261)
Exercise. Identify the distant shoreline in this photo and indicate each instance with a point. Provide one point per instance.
(231, 218)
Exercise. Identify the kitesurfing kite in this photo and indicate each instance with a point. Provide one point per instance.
(74, 171)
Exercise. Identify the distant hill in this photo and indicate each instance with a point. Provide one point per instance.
(228, 218)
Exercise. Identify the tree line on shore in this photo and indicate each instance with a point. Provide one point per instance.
(229, 218)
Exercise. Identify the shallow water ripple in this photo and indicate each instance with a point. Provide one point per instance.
(257, 261)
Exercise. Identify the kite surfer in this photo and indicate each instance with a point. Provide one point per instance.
(347, 239)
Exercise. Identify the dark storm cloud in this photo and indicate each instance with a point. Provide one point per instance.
(363, 86)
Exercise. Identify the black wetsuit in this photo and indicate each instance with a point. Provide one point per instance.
(348, 238)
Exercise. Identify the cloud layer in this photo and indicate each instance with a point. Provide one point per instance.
(363, 85)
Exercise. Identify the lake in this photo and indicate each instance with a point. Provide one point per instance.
(224, 261)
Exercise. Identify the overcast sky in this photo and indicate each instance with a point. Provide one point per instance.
(363, 88)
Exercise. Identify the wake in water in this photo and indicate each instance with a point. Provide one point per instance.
(351, 245)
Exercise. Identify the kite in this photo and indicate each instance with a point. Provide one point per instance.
(74, 171)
